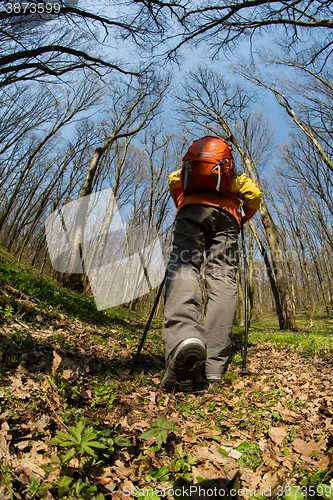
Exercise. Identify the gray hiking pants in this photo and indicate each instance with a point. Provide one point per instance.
(198, 229)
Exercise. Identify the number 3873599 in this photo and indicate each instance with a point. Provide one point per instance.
(33, 8)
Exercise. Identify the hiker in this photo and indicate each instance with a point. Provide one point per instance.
(207, 194)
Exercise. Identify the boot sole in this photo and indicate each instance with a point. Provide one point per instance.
(188, 354)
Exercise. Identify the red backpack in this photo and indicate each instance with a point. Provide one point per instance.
(208, 166)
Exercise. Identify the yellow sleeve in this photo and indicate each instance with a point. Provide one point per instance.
(175, 186)
(247, 191)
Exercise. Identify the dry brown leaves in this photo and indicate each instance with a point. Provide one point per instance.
(285, 409)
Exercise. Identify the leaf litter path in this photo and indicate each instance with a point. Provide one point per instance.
(260, 433)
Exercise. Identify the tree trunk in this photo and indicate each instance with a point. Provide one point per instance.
(250, 278)
(271, 276)
(285, 309)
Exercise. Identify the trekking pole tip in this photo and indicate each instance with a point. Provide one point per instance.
(244, 373)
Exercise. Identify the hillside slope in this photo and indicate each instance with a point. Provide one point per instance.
(76, 424)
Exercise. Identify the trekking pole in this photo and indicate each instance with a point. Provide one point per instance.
(244, 371)
(148, 323)
(133, 366)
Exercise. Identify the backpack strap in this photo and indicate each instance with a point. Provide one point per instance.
(188, 173)
(218, 184)
(217, 169)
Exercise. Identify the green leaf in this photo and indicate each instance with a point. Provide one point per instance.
(208, 483)
(192, 460)
(150, 495)
(293, 433)
(122, 441)
(295, 494)
(161, 420)
(61, 438)
(67, 443)
(187, 477)
(65, 481)
(88, 450)
(320, 475)
(162, 471)
(243, 447)
(35, 485)
(161, 437)
(171, 426)
(324, 490)
(77, 431)
(95, 444)
(150, 433)
(68, 456)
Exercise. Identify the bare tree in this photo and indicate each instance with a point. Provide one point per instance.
(300, 224)
(33, 49)
(36, 50)
(223, 25)
(85, 96)
(133, 108)
(308, 101)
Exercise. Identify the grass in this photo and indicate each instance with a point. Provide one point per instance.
(52, 300)
(306, 338)
(29, 295)
(269, 320)
(315, 340)
(42, 293)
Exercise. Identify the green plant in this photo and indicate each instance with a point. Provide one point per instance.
(251, 454)
(159, 429)
(237, 359)
(158, 475)
(186, 407)
(183, 465)
(71, 489)
(103, 395)
(37, 489)
(314, 486)
(6, 478)
(212, 405)
(92, 448)
(8, 312)
(68, 391)
(80, 439)
(149, 494)
(291, 437)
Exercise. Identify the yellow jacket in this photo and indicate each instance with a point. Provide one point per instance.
(242, 189)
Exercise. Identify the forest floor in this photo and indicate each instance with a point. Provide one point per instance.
(76, 424)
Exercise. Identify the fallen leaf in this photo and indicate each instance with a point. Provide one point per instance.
(28, 466)
(235, 454)
(277, 434)
(56, 363)
(213, 455)
(307, 447)
(67, 374)
(271, 481)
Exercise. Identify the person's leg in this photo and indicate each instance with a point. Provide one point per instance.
(183, 299)
(222, 292)
(182, 332)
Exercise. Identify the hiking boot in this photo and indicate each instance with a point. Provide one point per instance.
(214, 378)
(178, 371)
